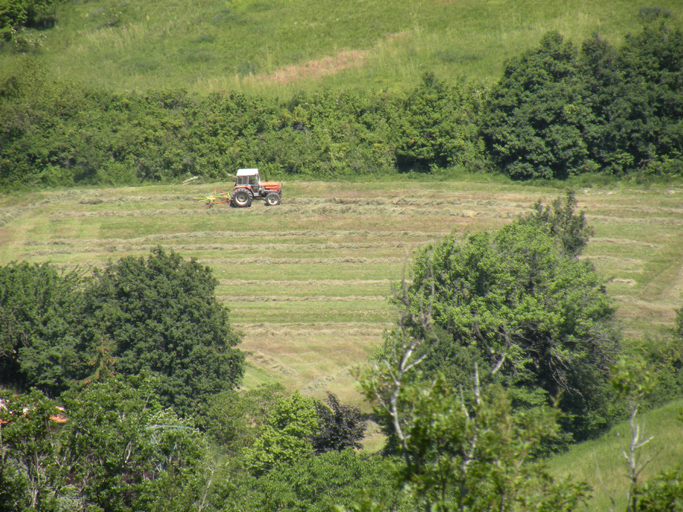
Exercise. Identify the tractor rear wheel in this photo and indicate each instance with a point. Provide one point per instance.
(242, 198)
(272, 199)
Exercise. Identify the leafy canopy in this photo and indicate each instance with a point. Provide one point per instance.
(157, 314)
(530, 314)
(162, 315)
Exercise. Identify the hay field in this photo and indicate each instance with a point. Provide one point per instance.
(307, 282)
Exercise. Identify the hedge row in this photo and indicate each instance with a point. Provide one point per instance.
(558, 111)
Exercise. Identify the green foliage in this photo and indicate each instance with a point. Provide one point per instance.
(558, 113)
(286, 438)
(162, 315)
(436, 127)
(157, 314)
(461, 454)
(316, 483)
(233, 419)
(536, 115)
(664, 493)
(124, 452)
(529, 314)
(30, 476)
(38, 308)
(15, 13)
(562, 223)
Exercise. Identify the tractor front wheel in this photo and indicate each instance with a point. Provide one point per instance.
(272, 199)
(242, 198)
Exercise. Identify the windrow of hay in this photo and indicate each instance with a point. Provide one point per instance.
(646, 221)
(99, 199)
(620, 261)
(304, 283)
(309, 298)
(325, 381)
(13, 213)
(256, 234)
(121, 245)
(284, 209)
(270, 363)
(297, 261)
(313, 329)
(625, 241)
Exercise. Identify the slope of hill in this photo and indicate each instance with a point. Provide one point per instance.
(277, 46)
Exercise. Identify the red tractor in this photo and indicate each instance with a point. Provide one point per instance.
(249, 186)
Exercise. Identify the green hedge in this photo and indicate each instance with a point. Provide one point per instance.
(557, 112)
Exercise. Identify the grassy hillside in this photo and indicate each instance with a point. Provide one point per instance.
(601, 463)
(277, 46)
(307, 281)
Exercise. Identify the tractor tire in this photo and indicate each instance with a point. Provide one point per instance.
(272, 199)
(242, 198)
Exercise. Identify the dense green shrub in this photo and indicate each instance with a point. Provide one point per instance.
(157, 314)
(38, 308)
(16, 13)
(558, 112)
(161, 315)
(435, 127)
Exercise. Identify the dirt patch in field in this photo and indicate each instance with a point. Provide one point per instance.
(325, 66)
(313, 69)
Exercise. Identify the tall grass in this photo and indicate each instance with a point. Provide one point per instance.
(216, 45)
(600, 462)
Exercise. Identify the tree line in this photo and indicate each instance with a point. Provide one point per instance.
(120, 388)
(558, 111)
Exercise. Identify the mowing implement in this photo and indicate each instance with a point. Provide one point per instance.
(248, 186)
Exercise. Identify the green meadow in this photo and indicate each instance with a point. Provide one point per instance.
(276, 47)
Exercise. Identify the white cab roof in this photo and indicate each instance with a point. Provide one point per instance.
(247, 172)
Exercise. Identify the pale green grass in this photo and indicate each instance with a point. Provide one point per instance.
(601, 463)
(275, 47)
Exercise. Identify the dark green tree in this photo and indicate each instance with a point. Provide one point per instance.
(536, 116)
(340, 426)
(162, 316)
(435, 127)
(562, 222)
(38, 307)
